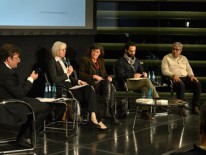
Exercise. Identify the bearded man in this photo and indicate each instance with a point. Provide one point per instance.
(129, 66)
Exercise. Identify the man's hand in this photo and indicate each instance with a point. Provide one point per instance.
(144, 74)
(34, 75)
(137, 75)
(193, 78)
(175, 78)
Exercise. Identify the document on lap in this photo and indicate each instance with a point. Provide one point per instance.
(77, 86)
(41, 99)
(136, 78)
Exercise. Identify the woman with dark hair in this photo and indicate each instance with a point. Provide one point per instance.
(92, 70)
(60, 73)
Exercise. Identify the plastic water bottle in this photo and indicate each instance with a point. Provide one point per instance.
(149, 93)
(46, 90)
(153, 77)
(54, 95)
(49, 90)
(149, 75)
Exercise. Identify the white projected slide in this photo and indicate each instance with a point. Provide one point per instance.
(43, 13)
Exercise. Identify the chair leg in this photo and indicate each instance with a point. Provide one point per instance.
(134, 122)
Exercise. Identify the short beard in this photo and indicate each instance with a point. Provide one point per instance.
(131, 56)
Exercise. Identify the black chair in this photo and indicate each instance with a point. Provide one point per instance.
(124, 88)
(168, 81)
(3, 106)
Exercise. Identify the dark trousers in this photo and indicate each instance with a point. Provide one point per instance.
(41, 111)
(186, 83)
(87, 98)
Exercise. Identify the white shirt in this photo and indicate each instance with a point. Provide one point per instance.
(178, 66)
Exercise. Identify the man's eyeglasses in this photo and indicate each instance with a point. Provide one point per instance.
(175, 49)
(16, 58)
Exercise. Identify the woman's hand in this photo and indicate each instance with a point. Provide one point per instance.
(83, 83)
(70, 70)
(109, 78)
(98, 78)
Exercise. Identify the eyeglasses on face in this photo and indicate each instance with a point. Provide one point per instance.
(16, 58)
(175, 49)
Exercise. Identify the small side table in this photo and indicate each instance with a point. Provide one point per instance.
(153, 103)
(64, 102)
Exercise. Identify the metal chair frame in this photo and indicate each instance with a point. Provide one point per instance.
(64, 101)
(10, 101)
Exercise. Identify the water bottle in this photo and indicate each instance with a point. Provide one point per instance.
(49, 90)
(149, 93)
(54, 95)
(46, 90)
(153, 77)
(149, 75)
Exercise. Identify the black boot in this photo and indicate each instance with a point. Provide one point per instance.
(107, 98)
(107, 110)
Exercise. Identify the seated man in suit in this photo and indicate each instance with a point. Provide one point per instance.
(128, 66)
(177, 67)
(11, 88)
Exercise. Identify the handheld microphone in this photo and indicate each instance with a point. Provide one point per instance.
(66, 62)
(37, 70)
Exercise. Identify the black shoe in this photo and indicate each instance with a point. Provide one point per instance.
(96, 126)
(145, 114)
(25, 142)
(196, 110)
(107, 115)
(115, 121)
(183, 112)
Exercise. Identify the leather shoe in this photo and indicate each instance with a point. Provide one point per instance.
(115, 121)
(183, 112)
(145, 114)
(25, 142)
(107, 115)
(196, 110)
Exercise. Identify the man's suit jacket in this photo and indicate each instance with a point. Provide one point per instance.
(10, 88)
(87, 69)
(57, 75)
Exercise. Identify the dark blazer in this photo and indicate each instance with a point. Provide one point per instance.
(10, 87)
(124, 70)
(87, 69)
(57, 75)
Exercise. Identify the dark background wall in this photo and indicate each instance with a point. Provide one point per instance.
(31, 45)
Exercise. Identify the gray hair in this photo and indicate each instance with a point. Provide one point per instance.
(56, 47)
(177, 44)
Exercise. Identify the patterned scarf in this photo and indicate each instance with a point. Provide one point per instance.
(129, 59)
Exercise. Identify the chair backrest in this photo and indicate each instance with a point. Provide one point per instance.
(117, 84)
(168, 81)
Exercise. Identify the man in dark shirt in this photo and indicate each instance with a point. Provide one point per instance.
(128, 66)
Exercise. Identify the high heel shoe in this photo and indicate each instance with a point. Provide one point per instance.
(98, 127)
(95, 125)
